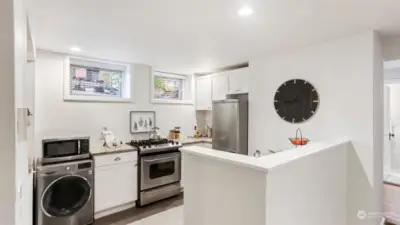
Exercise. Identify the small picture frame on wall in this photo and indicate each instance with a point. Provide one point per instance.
(142, 121)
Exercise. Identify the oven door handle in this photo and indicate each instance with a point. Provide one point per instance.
(159, 159)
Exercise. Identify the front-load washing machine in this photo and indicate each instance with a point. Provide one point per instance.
(65, 193)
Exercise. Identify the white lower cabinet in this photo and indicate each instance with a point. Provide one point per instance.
(115, 185)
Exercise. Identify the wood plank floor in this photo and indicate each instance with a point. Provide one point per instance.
(131, 215)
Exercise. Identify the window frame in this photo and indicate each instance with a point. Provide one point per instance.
(127, 92)
(188, 83)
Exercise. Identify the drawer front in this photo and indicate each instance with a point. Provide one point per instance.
(117, 158)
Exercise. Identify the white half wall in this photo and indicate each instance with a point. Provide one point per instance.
(217, 192)
(346, 73)
(309, 190)
(54, 117)
(306, 186)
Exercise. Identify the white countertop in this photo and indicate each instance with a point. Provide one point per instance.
(268, 162)
(193, 140)
(101, 150)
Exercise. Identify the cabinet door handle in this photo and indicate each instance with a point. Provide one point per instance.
(117, 159)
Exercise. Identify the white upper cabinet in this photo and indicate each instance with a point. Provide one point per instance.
(204, 93)
(238, 80)
(219, 86)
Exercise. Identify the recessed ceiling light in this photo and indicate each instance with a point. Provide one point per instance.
(75, 49)
(245, 11)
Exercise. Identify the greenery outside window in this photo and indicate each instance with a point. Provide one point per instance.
(171, 88)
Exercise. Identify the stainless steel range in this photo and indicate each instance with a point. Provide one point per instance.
(159, 169)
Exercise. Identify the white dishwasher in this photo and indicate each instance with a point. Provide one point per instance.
(115, 181)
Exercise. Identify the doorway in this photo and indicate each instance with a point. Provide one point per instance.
(391, 153)
(392, 129)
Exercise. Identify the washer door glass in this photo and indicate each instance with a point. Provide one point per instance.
(66, 196)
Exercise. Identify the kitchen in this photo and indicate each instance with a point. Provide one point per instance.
(193, 116)
(87, 86)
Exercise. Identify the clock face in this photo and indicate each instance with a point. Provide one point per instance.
(296, 101)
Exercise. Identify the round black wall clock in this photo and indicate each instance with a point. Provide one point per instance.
(296, 101)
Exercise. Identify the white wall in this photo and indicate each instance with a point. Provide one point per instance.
(391, 47)
(344, 72)
(218, 192)
(378, 124)
(309, 190)
(14, 157)
(54, 117)
(7, 114)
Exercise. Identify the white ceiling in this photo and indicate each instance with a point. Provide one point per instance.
(196, 35)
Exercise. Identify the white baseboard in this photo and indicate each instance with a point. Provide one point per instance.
(113, 210)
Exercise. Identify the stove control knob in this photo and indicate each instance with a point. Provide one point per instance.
(177, 143)
(144, 146)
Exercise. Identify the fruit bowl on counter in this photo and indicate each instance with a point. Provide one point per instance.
(296, 141)
(299, 141)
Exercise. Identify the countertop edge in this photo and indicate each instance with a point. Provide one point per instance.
(197, 141)
(109, 152)
(231, 158)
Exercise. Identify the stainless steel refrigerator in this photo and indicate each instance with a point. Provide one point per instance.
(230, 125)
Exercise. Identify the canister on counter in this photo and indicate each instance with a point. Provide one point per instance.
(177, 132)
(171, 134)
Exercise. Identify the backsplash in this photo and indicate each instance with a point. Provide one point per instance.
(203, 118)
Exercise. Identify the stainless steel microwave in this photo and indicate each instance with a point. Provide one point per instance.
(65, 149)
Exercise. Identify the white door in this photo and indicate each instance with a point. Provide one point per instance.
(203, 93)
(387, 132)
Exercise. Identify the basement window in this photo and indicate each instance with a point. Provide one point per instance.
(94, 80)
(171, 88)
